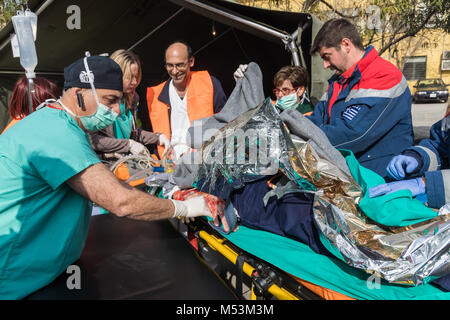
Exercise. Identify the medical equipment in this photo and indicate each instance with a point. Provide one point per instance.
(25, 27)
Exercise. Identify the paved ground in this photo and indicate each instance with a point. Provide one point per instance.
(425, 115)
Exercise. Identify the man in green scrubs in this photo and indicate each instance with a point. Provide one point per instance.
(49, 177)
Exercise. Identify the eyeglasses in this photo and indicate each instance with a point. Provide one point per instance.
(180, 66)
(285, 91)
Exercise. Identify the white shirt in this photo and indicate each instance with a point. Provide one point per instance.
(179, 121)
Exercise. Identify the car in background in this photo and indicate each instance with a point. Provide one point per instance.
(430, 90)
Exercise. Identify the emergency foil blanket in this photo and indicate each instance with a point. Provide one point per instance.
(410, 255)
(258, 144)
(413, 254)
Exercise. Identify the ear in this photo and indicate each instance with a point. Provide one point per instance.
(346, 44)
(191, 62)
(300, 91)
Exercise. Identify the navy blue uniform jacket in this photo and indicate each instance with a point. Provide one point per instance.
(367, 110)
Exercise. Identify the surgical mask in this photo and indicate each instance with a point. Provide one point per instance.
(101, 119)
(103, 116)
(288, 101)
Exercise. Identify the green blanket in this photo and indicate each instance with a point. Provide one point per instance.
(296, 258)
(299, 260)
(395, 209)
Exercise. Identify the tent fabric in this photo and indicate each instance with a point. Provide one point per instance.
(108, 25)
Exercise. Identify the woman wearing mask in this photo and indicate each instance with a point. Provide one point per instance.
(19, 105)
(290, 84)
(290, 89)
(124, 135)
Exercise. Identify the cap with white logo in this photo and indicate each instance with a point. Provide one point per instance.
(104, 72)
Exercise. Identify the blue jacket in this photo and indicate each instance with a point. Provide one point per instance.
(433, 164)
(367, 110)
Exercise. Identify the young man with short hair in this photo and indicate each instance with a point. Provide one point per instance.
(367, 106)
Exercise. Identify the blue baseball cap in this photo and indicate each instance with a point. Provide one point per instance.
(105, 73)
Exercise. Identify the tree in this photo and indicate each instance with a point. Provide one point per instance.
(401, 19)
(8, 8)
(381, 22)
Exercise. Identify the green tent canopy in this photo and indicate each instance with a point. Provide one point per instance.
(222, 34)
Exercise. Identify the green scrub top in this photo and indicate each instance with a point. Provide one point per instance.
(304, 108)
(43, 222)
(123, 124)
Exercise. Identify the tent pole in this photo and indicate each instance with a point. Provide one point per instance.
(294, 51)
(30, 90)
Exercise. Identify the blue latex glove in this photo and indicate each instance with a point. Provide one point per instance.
(416, 186)
(422, 198)
(400, 165)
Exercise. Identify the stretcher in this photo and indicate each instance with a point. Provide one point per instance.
(277, 267)
(281, 268)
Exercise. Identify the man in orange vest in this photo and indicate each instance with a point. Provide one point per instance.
(187, 96)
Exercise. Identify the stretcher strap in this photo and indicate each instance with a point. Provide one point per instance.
(240, 271)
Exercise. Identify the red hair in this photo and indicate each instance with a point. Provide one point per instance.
(19, 106)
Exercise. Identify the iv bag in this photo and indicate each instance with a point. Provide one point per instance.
(25, 37)
(33, 21)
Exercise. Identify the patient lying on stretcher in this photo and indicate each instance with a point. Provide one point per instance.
(275, 203)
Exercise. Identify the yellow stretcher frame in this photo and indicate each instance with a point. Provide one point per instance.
(219, 245)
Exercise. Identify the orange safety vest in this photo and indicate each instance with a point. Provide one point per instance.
(199, 103)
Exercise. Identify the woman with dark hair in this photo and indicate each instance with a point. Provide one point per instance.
(19, 105)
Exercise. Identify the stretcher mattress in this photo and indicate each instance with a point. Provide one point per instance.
(300, 261)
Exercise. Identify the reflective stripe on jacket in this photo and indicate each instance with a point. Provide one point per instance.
(367, 110)
(434, 153)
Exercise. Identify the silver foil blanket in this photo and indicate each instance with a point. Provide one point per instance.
(408, 255)
(258, 144)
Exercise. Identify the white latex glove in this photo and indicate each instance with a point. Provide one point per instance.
(164, 141)
(190, 208)
(239, 73)
(136, 147)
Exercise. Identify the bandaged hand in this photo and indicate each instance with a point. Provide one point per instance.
(164, 141)
(416, 186)
(239, 73)
(136, 147)
(401, 165)
(190, 208)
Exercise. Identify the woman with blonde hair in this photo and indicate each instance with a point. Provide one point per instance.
(125, 136)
